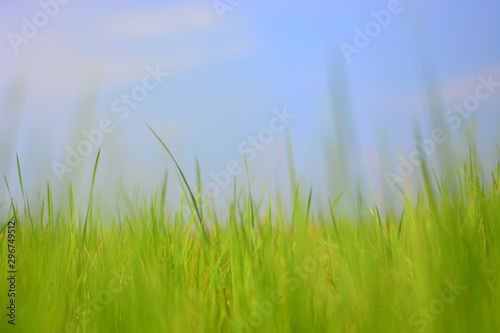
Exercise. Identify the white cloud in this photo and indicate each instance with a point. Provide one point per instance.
(411, 101)
(61, 62)
(171, 21)
(456, 89)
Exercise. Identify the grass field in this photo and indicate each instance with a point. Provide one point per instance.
(317, 166)
(430, 265)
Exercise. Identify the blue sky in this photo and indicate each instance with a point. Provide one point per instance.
(227, 76)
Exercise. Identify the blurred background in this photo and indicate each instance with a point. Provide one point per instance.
(354, 76)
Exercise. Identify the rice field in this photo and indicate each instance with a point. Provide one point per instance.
(428, 264)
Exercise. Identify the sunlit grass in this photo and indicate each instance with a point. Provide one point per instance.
(431, 266)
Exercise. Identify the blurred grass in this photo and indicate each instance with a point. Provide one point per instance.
(257, 264)
(278, 271)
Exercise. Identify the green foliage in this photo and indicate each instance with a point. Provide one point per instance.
(431, 266)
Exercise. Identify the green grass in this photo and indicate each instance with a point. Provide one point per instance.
(431, 266)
